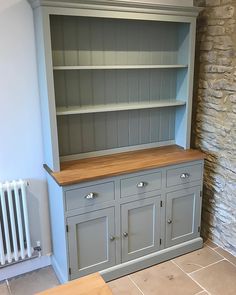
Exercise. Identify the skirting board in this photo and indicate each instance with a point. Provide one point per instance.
(24, 267)
(151, 259)
(62, 279)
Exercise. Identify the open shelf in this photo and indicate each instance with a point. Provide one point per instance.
(119, 67)
(73, 110)
(119, 84)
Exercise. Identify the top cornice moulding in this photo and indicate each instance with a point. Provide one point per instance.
(116, 4)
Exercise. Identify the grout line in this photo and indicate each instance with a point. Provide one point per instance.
(210, 246)
(135, 285)
(222, 255)
(191, 277)
(8, 287)
(190, 273)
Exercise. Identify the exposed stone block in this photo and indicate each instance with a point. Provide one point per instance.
(216, 30)
(212, 2)
(223, 42)
(217, 69)
(222, 12)
(206, 46)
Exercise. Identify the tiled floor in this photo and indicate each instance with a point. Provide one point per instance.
(210, 270)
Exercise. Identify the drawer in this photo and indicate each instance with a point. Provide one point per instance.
(140, 184)
(185, 174)
(90, 195)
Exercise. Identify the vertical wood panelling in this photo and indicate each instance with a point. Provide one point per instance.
(72, 88)
(110, 87)
(83, 42)
(133, 86)
(122, 129)
(86, 90)
(121, 44)
(95, 132)
(75, 139)
(144, 127)
(56, 26)
(99, 83)
(87, 124)
(133, 41)
(96, 35)
(70, 41)
(183, 43)
(122, 86)
(111, 129)
(154, 125)
(60, 88)
(95, 41)
(109, 41)
(63, 136)
(100, 132)
(96, 87)
(133, 128)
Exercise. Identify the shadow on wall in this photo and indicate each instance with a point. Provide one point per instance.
(37, 202)
(194, 144)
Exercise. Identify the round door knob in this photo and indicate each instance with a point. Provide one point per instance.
(125, 234)
(184, 175)
(169, 221)
(112, 238)
(141, 184)
(90, 196)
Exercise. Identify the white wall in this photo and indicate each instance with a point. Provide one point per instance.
(20, 125)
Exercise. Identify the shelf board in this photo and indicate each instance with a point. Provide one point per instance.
(119, 67)
(73, 110)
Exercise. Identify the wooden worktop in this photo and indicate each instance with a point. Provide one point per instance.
(88, 169)
(89, 285)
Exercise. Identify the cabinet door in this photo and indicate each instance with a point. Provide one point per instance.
(91, 243)
(141, 228)
(183, 212)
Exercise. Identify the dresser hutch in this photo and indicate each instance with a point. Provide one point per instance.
(116, 85)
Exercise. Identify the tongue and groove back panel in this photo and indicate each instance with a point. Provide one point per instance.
(156, 54)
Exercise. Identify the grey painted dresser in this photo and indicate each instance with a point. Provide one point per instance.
(115, 80)
(120, 224)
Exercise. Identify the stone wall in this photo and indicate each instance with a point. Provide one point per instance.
(214, 117)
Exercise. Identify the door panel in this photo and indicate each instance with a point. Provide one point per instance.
(182, 215)
(90, 246)
(141, 228)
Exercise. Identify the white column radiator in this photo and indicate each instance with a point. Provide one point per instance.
(15, 242)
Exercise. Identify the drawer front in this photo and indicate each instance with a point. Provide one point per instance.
(181, 175)
(90, 195)
(140, 184)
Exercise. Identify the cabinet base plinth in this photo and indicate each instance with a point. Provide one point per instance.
(151, 259)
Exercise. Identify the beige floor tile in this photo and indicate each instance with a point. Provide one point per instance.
(227, 255)
(34, 282)
(3, 289)
(210, 244)
(123, 286)
(165, 279)
(202, 293)
(197, 259)
(218, 279)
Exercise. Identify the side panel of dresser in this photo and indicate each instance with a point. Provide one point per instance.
(58, 230)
